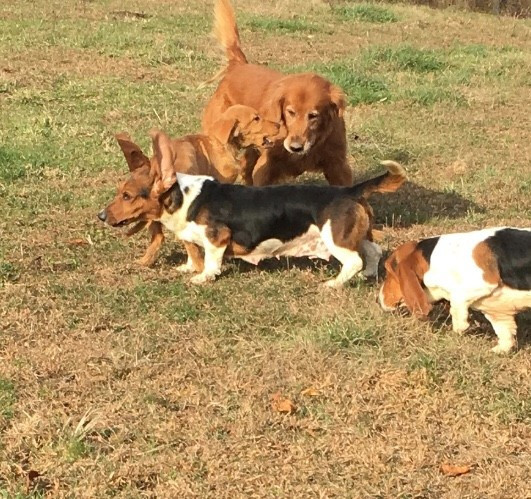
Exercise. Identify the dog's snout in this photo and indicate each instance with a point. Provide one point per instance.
(102, 215)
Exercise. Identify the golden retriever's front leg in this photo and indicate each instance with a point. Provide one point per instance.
(265, 173)
(157, 238)
(338, 172)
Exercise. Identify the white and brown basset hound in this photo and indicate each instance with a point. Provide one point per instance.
(487, 270)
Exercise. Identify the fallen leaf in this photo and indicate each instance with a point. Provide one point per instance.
(453, 470)
(77, 242)
(282, 404)
(311, 392)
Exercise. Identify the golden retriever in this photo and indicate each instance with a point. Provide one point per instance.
(309, 107)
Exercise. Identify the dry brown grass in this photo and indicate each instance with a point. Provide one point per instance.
(128, 382)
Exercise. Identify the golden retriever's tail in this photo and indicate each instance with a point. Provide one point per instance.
(388, 182)
(226, 31)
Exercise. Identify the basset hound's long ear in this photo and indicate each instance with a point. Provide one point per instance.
(133, 154)
(164, 153)
(411, 286)
(338, 99)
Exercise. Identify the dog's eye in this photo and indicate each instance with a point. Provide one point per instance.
(256, 118)
(291, 112)
(126, 196)
(313, 116)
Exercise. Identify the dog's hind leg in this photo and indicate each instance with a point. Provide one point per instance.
(350, 259)
(371, 253)
(157, 238)
(505, 328)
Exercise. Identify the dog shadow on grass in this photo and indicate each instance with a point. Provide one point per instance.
(416, 204)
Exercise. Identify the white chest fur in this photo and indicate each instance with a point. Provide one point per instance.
(190, 186)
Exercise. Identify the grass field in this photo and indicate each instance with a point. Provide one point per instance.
(122, 381)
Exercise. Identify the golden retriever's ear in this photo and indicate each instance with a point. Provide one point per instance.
(273, 108)
(410, 284)
(165, 175)
(133, 154)
(225, 129)
(337, 96)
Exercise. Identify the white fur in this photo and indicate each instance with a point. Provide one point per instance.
(350, 260)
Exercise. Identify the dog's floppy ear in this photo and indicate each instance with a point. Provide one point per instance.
(410, 284)
(133, 154)
(165, 155)
(225, 128)
(338, 99)
(273, 108)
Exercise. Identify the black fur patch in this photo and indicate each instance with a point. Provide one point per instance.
(427, 246)
(256, 214)
(512, 248)
(173, 199)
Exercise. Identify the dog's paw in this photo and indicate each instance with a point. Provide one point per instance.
(332, 284)
(503, 348)
(460, 327)
(202, 278)
(146, 261)
(185, 268)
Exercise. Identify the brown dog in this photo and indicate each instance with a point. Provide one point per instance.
(238, 129)
(309, 107)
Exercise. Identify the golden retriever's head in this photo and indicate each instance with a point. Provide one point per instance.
(242, 127)
(306, 104)
(138, 199)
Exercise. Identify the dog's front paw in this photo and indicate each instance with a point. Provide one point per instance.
(202, 278)
(332, 284)
(460, 326)
(146, 260)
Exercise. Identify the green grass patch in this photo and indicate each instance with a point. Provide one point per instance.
(276, 25)
(8, 272)
(361, 87)
(365, 12)
(7, 399)
(427, 96)
(406, 58)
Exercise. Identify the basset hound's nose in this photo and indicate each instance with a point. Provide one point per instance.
(102, 215)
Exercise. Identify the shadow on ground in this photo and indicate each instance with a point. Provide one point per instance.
(416, 204)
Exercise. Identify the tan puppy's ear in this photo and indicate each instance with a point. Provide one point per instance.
(338, 99)
(414, 296)
(165, 159)
(225, 129)
(133, 154)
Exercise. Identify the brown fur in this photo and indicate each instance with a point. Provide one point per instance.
(309, 107)
(485, 260)
(238, 129)
(405, 270)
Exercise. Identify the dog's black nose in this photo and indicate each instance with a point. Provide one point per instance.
(296, 147)
(102, 215)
